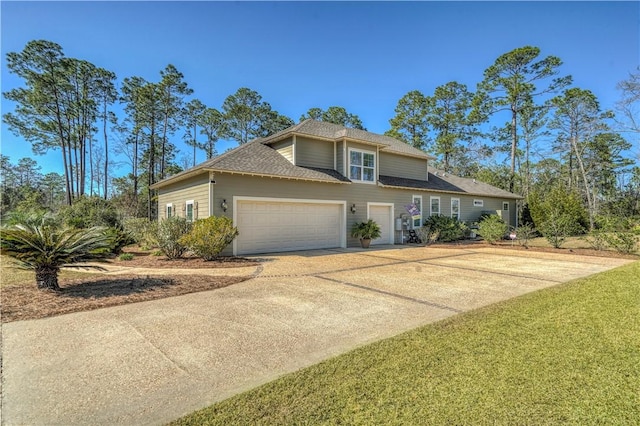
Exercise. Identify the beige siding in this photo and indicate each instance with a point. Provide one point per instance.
(340, 156)
(401, 166)
(314, 153)
(229, 186)
(285, 148)
(196, 189)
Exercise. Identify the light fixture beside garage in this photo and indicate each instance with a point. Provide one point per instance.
(224, 205)
(353, 208)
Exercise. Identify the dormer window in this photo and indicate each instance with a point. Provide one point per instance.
(362, 166)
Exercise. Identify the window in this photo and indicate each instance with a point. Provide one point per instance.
(478, 203)
(455, 208)
(169, 210)
(417, 201)
(435, 206)
(189, 211)
(362, 166)
(505, 206)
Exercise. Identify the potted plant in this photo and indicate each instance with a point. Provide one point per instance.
(366, 231)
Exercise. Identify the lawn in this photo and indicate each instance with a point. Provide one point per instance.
(564, 355)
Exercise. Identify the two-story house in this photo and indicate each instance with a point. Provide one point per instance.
(304, 187)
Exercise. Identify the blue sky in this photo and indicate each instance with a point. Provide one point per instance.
(361, 55)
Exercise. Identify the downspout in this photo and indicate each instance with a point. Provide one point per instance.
(211, 192)
(293, 149)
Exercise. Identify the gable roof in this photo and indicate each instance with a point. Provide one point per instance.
(255, 158)
(336, 132)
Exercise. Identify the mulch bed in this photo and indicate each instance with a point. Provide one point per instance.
(515, 246)
(26, 301)
(144, 259)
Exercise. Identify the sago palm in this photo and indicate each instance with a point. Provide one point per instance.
(46, 249)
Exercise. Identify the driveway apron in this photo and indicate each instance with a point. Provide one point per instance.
(152, 362)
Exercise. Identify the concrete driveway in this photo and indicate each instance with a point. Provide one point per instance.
(152, 362)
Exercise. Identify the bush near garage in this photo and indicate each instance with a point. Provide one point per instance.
(444, 228)
(492, 228)
(170, 233)
(208, 237)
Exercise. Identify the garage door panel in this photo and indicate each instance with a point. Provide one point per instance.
(273, 226)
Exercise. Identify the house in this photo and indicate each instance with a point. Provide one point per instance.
(304, 187)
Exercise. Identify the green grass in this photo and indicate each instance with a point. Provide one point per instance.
(565, 355)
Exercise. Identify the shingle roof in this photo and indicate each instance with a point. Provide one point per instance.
(258, 159)
(337, 132)
(444, 182)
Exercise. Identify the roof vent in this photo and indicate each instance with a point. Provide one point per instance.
(474, 181)
(444, 174)
(436, 173)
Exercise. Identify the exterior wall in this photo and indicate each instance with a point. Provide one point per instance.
(230, 185)
(195, 188)
(400, 166)
(340, 156)
(285, 148)
(314, 153)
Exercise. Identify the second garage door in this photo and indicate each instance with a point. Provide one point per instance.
(275, 226)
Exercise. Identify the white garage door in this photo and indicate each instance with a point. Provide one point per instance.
(381, 214)
(274, 226)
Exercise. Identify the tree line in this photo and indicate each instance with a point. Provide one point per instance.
(554, 134)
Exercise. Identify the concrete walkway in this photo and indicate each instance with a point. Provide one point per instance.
(152, 362)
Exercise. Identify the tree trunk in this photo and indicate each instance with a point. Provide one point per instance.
(106, 150)
(514, 148)
(47, 278)
(585, 180)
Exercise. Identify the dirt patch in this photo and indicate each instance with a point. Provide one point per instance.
(25, 301)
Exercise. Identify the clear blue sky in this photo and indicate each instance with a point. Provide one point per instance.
(361, 55)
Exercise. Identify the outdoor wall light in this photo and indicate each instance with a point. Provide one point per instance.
(353, 208)
(224, 205)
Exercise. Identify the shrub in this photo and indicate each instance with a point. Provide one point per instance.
(557, 227)
(622, 242)
(597, 240)
(119, 239)
(170, 233)
(427, 236)
(445, 228)
(492, 228)
(46, 249)
(208, 237)
(143, 231)
(87, 212)
(368, 230)
(126, 256)
(524, 233)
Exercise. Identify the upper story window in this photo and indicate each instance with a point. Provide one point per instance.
(362, 166)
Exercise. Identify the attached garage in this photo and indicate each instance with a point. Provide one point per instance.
(274, 225)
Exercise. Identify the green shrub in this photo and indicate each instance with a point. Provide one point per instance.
(597, 240)
(445, 228)
(143, 231)
(87, 212)
(126, 256)
(558, 213)
(208, 237)
(368, 230)
(622, 242)
(492, 228)
(557, 227)
(119, 239)
(170, 233)
(524, 233)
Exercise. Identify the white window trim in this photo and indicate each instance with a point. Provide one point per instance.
(166, 210)
(413, 198)
(458, 200)
(431, 205)
(193, 210)
(375, 167)
(478, 203)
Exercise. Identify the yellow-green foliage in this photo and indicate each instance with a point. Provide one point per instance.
(210, 236)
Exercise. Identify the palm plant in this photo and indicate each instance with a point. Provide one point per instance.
(45, 249)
